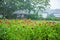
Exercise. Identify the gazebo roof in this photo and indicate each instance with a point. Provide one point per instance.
(21, 12)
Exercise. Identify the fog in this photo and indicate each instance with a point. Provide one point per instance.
(55, 4)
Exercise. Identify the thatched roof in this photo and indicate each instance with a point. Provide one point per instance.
(21, 12)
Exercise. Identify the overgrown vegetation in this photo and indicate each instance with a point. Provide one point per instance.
(29, 30)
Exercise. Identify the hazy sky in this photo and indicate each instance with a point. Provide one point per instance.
(55, 4)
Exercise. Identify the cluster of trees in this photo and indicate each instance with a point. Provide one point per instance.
(50, 16)
(7, 7)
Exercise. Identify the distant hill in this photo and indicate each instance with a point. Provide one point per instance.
(55, 11)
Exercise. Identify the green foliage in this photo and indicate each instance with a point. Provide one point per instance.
(57, 18)
(7, 7)
(15, 31)
(32, 16)
(51, 17)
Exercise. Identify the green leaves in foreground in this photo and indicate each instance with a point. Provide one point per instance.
(26, 32)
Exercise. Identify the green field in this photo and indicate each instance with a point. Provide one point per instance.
(29, 30)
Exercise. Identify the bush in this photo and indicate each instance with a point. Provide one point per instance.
(32, 16)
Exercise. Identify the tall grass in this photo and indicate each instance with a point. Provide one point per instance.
(29, 30)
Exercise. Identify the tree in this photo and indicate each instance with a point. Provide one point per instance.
(7, 7)
(41, 5)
